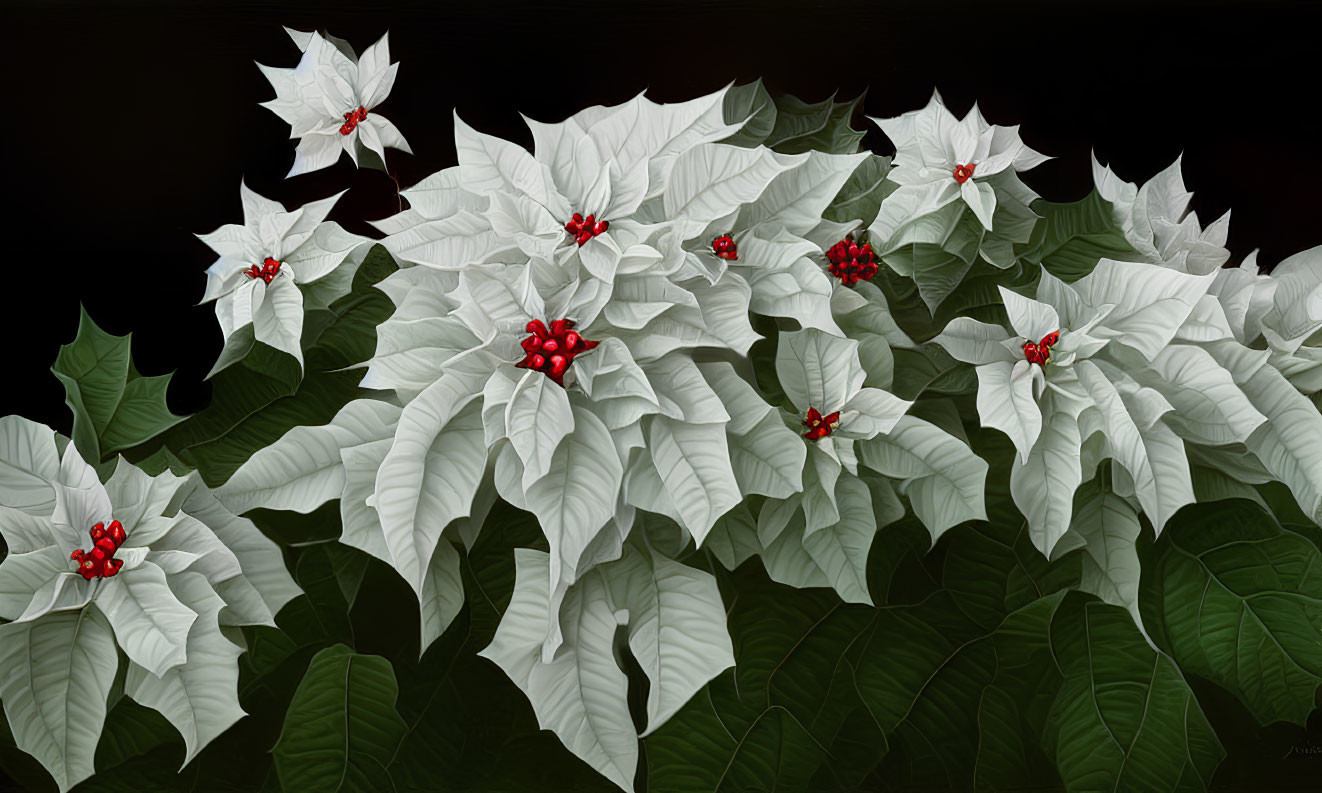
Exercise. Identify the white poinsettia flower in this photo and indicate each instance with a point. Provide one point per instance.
(822, 467)
(1243, 312)
(1265, 330)
(940, 159)
(330, 98)
(1098, 369)
(255, 282)
(823, 378)
(152, 566)
(960, 200)
(1156, 220)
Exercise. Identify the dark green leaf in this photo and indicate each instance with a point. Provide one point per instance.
(822, 126)
(1071, 238)
(113, 406)
(1124, 718)
(342, 729)
(1237, 599)
(861, 196)
(752, 102)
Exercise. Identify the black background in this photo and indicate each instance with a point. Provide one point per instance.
(127, 127)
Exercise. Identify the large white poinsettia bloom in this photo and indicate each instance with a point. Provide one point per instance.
(1100, 357)
(255, 282)
(152, 566)
(1282, 309)
(643, 173)
(329, 101)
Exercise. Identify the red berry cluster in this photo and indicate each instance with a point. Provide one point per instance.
(964, 172)
(267, 272)
(100, 562)
(1040, 353)
(725, 248)
(552, 351)
(351, 120)
(820, 426)
(851, 262)
(585, 228)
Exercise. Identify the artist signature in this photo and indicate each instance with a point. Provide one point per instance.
(1308, 747)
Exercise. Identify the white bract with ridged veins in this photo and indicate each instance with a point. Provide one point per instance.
(821, 534)
(164, 591)
(259, 280)
(1264, 329)
(959, 193)
(329, 101)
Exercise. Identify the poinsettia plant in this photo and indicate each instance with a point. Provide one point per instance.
(693, 449)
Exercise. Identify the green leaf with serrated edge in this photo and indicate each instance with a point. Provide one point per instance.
(114, 407)
(342, 729)
(862, 194)
(1072, 237)
(163, 460)
(751, 102)
(256, 401)
(821, 126)
(1236, 598)
(796, 120)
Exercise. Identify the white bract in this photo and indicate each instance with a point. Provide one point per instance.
(188, 568)
(647, 175)
(959, 193)
(263, 264)
(820, 534)
(1156, 220)
(329, 101)
(1117, 384)
(1263, 329)
(676, 632)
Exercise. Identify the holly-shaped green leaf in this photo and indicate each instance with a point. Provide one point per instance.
(822, 126)
(114, 407)
(751, 104)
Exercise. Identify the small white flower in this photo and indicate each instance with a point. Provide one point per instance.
(945, 159)
(330, 100)
(254, 282)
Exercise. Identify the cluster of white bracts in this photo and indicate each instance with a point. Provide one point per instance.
(652, 419)
(659, 419)
(1163, 366)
